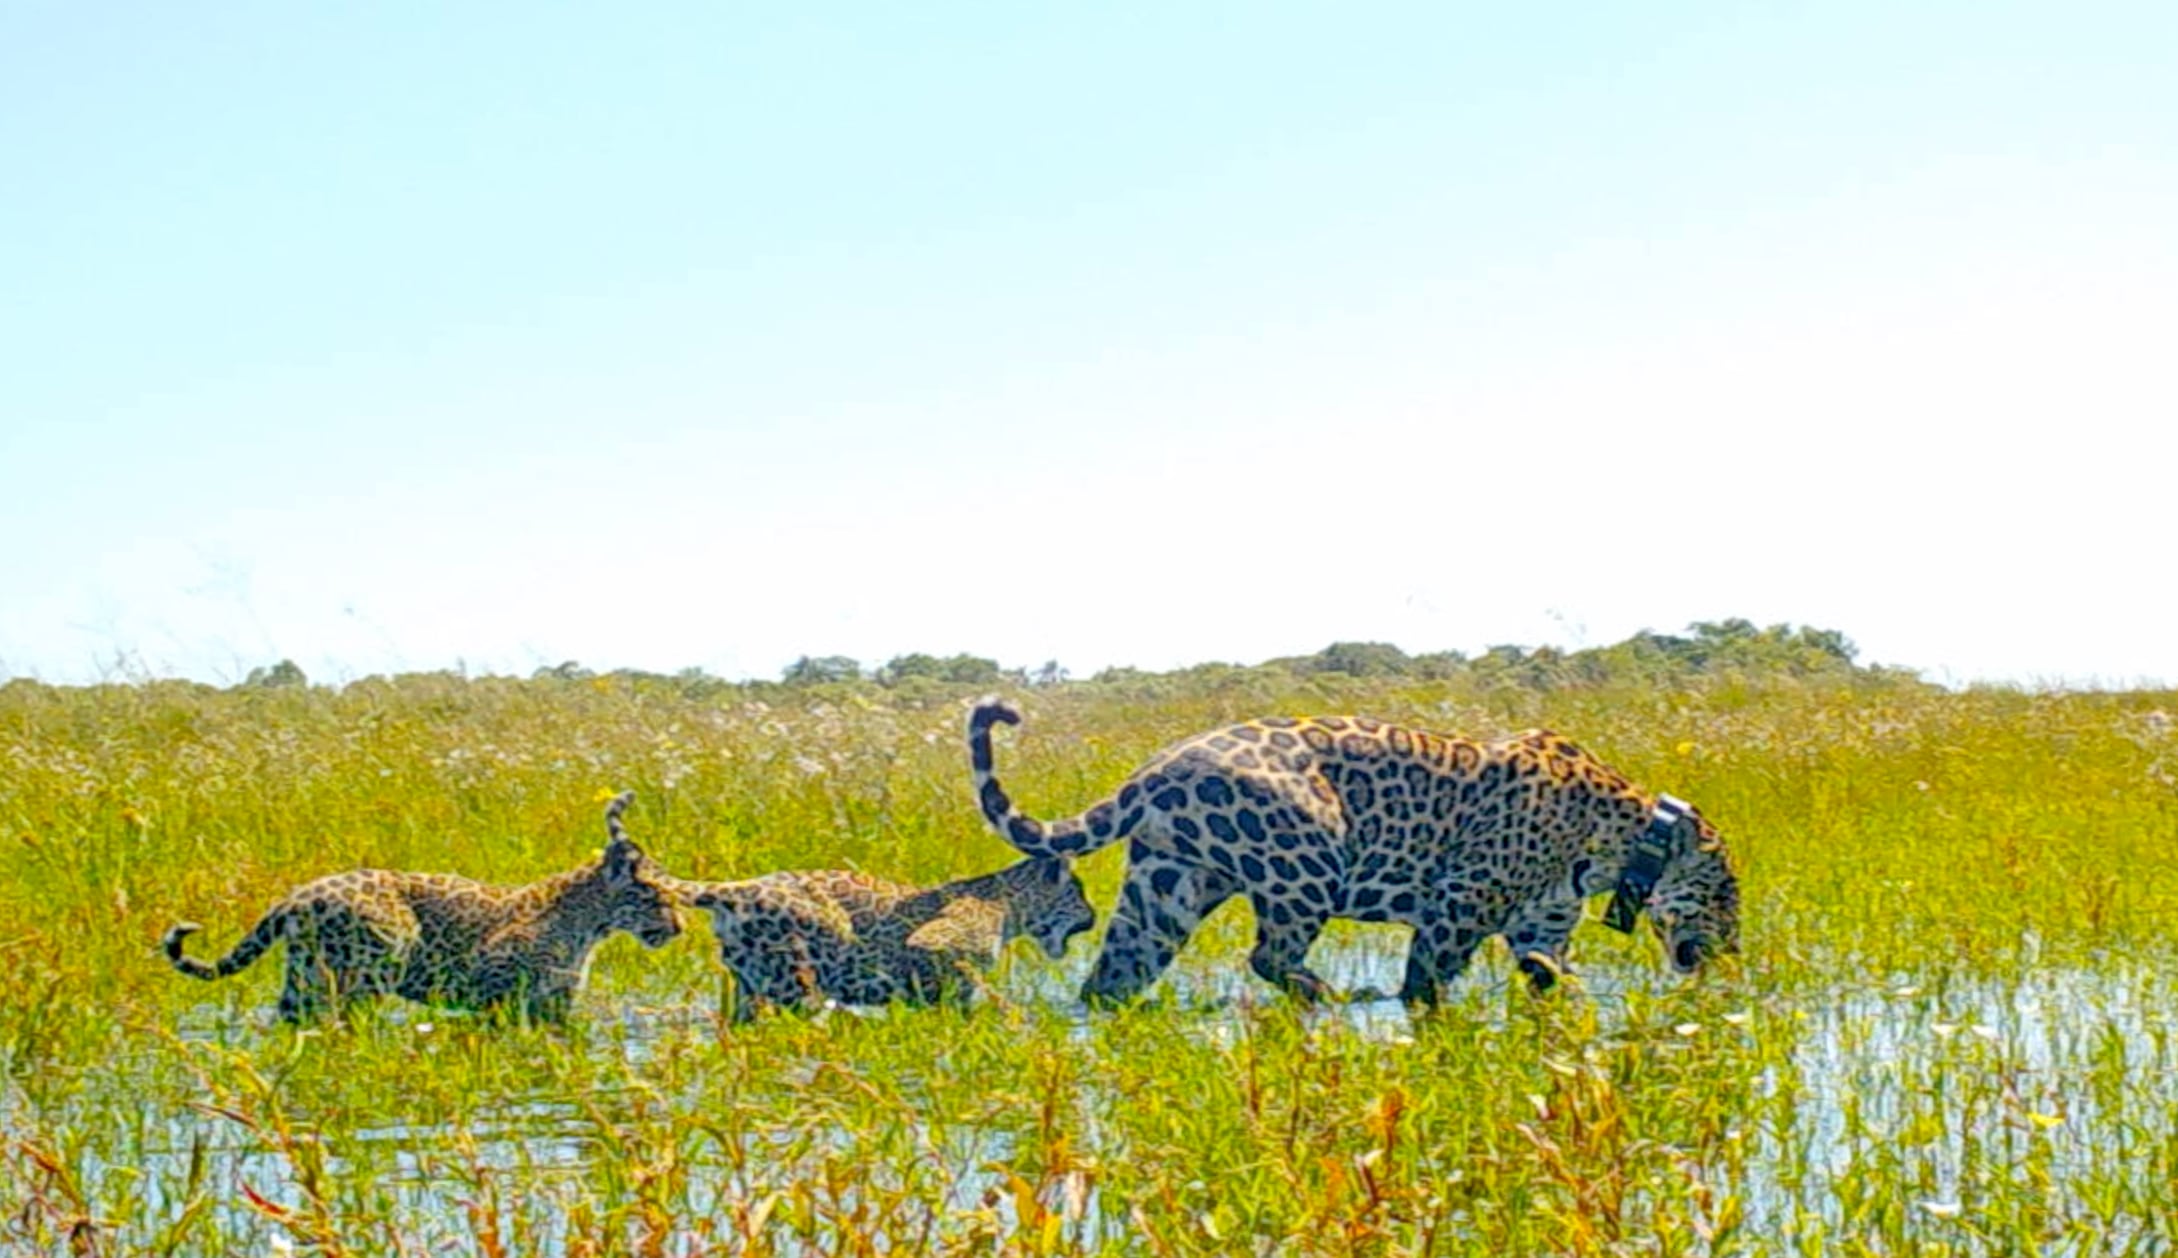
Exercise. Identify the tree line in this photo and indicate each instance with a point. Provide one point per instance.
(1707, 648)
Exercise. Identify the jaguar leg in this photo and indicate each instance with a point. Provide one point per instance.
(746, 989)
(1444, 942)
(1537, 935)
(549, 1006)
(1160, 905)
(306, 990)
(1284, 932)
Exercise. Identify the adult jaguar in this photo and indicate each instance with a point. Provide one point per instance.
(1321, 817)
(448, 940)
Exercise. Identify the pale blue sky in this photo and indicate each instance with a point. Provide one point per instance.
(405, 335)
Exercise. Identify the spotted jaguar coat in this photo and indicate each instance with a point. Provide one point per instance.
(1321, 817)
(797, 938)
(448, 940)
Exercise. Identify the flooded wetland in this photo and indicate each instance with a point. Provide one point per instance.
(1949, 1030)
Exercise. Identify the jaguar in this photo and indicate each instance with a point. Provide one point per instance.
(447, 940)
(797, 938)
(1312, 818)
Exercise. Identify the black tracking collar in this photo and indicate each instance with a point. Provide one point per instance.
(1645, 864)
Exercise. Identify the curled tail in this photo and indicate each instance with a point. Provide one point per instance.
(614, 832)
(1104, 824)
(266, 933)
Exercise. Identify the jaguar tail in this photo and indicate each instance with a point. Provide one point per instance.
(1101, 826)
(615, 833)
(267, 932)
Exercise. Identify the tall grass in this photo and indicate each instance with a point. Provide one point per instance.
(1949, 1032)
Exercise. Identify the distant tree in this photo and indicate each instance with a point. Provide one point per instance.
(1736, 629)
(901, 667)
(962, 670)
(1714, 647)
(1501, 657)
(698, 684)
(1547, 666)
(1739, 645)
(1049, 673)
(565, 670)
(1361, 659)
(973, 670)
(1829, 642)
(818, 670)
(280, 676)
(1437, 665)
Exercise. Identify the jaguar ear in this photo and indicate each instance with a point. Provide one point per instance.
(1696, 835)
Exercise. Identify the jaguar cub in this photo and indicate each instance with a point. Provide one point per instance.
(797, 938)
(448, 940)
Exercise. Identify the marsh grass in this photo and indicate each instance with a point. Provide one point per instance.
(1950, 1031)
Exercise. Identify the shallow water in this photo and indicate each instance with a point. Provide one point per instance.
(1887, 1078)
(1882, 1079)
